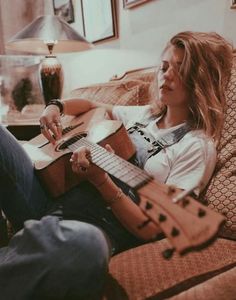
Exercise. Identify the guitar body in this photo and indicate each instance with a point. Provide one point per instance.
(52, 163)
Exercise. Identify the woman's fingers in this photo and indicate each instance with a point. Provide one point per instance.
(52, 130)
(108, 148)
(50, 124)
(80, 159)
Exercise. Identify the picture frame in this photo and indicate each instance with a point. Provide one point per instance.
(64, 9)
(233, 4)
(99, 20)
(132, 3)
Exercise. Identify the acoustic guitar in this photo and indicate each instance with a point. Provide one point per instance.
(186, 223)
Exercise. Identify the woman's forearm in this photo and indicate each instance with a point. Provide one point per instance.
(126, 211)
(76, 106)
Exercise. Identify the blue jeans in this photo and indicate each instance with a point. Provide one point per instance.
(48, 258)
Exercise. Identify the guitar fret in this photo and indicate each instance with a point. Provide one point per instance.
(136, 182)
(104, 165)
(98, 155)
(121, 173)
(129, 177)
(114, 165)
(115, 170)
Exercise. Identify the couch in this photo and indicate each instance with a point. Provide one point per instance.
(142, 273)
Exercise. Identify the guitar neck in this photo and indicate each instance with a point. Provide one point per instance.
(113, 164)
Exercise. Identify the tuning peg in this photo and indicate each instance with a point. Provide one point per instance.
(168, 253)
(201, 212)
(144, 223)
(185, 202)
(148, 205)
(162, 218)
(175, 232)
(171, 189)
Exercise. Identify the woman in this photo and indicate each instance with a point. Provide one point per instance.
(97, 219)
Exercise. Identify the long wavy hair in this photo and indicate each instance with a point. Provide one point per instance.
(205, 71)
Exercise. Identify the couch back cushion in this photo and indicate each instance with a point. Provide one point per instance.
(119, 92)
(221, 193)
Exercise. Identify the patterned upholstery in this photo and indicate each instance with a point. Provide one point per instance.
(218, 288)
(125, 92)
(221, 193)
(143, 273)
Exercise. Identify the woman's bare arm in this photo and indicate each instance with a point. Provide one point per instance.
(75, 106)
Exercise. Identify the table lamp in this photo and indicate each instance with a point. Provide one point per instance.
(48, 35)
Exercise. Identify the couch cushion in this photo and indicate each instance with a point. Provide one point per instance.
(221, 193)
(217, 288)
(125, 92)
(143, 273)
(145, 74)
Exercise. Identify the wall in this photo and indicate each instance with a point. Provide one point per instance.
(146, 27)
(143, 32)
(149, 26)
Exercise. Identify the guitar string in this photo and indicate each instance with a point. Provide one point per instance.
(134, 176)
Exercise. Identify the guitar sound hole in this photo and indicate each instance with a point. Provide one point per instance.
(65, 144)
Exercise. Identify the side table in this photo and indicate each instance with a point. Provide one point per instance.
(24, 131)
(23, 125)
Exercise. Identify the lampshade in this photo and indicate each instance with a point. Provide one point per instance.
(48, 28)
(48, 35)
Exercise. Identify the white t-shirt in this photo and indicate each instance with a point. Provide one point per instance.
(184, 164)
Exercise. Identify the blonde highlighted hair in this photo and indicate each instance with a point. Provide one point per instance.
(205, 71)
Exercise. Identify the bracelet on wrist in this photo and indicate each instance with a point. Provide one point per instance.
(102, 183)
(116, 198)
(58, 103)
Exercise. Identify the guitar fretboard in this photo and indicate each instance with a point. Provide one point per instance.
(113, 164)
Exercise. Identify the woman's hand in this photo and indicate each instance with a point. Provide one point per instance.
(82, 164)
(50, 123)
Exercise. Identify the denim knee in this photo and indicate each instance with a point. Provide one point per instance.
(77, 262)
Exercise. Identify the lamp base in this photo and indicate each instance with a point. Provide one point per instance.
(52, 78)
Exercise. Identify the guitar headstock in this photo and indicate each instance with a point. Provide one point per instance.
(188, 224)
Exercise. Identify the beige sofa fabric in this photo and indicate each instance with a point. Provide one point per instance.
(221, 193)
(220, 287)
(143, 273)
(125, 92)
